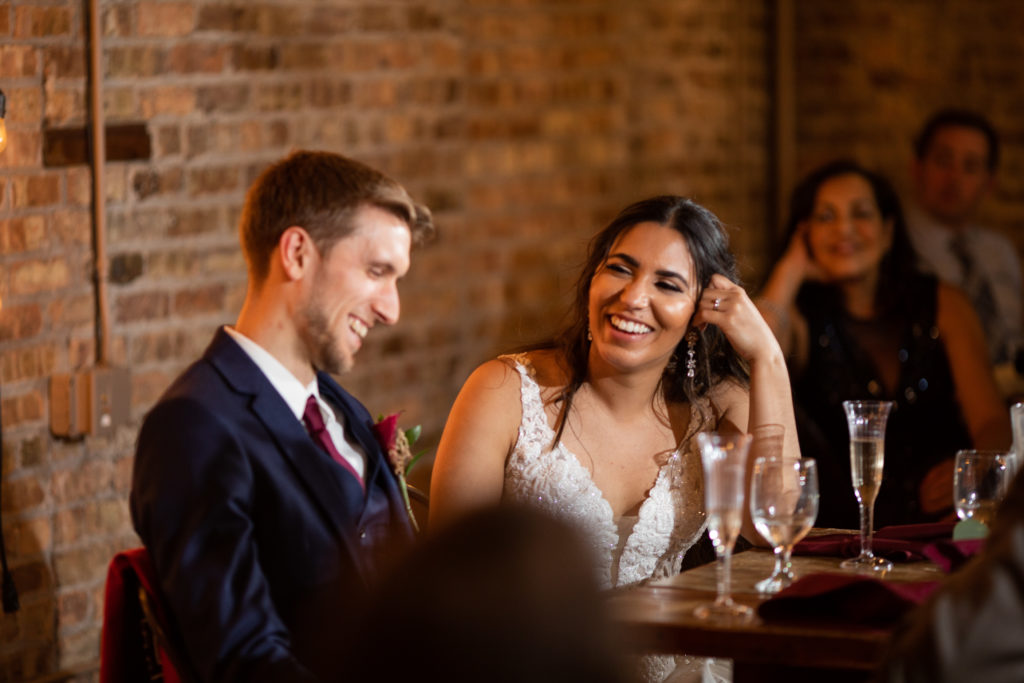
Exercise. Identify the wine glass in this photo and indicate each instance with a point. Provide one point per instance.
(866, 421)
(724, 457)
(783, 505)
(980, 480)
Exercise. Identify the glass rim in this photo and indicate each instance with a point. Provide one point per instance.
(783, 459)
(982, 452)
(868, 402)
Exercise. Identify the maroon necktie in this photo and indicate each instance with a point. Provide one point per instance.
(314, 422)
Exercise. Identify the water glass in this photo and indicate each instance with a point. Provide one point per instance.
(866, 421)
(980, 480)
(725, 464)
(783, 505)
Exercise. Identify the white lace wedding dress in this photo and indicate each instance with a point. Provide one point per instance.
(627, 551)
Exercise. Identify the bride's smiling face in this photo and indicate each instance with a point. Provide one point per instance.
(642, 297)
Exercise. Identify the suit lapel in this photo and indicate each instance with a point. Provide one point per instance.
(328, 491)
(378, 474)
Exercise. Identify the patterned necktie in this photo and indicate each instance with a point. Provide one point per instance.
(314, 422)
(977, 288)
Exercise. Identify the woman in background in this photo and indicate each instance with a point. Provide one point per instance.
(857, 320)
(598, 426)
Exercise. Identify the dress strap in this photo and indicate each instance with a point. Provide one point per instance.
(534, 419)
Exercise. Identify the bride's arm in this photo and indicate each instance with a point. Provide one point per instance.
(769, 399)
(469, 467)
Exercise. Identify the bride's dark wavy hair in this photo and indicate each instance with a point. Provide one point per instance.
(708, 244)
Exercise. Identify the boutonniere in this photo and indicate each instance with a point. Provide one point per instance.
(397, 444)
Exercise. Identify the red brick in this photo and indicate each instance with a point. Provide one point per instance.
(213, 180)
(65, 61)
(79, 183)
(227, 18)
(72, 311)
(165, 18)
(67, 107)
(81, 481)
(35, 190)
(23, 234)
(40, 275)
(141, 306)
(42, 22)
(72, 227)
(224, 98)
(94, 519)
(171, 100)
(32, 578)
(23, 494)
(189, 58)
(24, 106)
(29, 538)
(148, 386)
(27, 363)
(135, 61)
(73, 609)
(199, 300)
(78, 649)
(18, 60)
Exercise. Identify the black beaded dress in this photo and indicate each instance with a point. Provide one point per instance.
(925, 426)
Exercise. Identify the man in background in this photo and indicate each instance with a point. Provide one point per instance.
(956, 156)
(263, 499)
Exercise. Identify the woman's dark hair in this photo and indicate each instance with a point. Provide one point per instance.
(898, 266)
(709, 248)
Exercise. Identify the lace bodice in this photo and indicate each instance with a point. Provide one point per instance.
(670, 519)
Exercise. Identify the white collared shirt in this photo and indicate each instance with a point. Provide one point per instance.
(934, 244)
(296, 395)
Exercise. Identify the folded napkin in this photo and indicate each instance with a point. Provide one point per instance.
(900, 543)
(950, 555)
(846, 599)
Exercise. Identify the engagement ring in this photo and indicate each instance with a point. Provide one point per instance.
(716, 303)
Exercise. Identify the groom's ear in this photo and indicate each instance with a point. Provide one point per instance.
(295, 252)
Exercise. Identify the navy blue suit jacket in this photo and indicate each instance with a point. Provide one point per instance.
(262, 544)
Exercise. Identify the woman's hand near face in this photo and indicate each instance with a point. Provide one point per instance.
(727, 305)
(777, 300)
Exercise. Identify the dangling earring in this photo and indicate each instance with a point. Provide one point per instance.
(691, 362)
(590, 337)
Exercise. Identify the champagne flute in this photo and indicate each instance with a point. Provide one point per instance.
(724, 458)
(980, 480)
(783, 505)
(866, 421)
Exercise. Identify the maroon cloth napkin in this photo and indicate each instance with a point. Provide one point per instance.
(846, 599)
(900, 543)
(950, 555)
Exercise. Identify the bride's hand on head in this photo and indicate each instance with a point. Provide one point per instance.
(727, 305)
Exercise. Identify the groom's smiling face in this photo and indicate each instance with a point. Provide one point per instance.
(354, 286)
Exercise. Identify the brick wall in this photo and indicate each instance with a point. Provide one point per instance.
(525, 125)
(869, 72)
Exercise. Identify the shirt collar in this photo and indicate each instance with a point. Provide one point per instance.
(281, 378)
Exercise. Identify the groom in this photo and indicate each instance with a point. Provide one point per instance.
(264, 501)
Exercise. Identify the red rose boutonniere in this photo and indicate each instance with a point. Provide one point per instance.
(397, 443)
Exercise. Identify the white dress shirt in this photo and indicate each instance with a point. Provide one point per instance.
(999, 264)
(296, 395)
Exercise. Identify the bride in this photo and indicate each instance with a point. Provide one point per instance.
(598, 425)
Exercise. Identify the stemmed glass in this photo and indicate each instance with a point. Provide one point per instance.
(980, 480)
(866, 421)
(724, 458)
(783, 505)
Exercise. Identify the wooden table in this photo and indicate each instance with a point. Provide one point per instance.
(659, 618)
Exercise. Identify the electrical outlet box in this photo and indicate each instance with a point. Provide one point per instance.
(90, 402)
